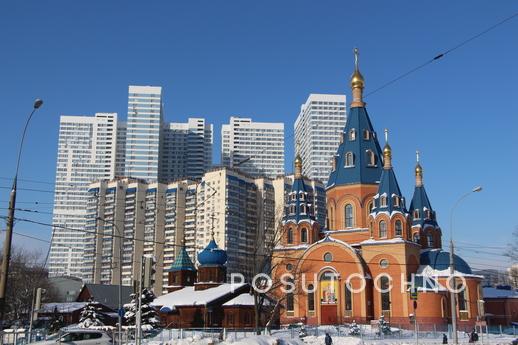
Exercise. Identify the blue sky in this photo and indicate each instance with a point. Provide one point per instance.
(262, 59)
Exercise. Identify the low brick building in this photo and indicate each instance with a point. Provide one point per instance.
(501, 305)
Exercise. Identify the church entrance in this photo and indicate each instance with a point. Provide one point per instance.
(328, 298)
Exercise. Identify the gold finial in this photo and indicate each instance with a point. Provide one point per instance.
(387, 153)
(357, 82)
(298, 163)
(418, 171)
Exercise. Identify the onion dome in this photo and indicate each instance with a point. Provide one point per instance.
(212, 255)
(182, 262)
(357, 80)
(439, 260)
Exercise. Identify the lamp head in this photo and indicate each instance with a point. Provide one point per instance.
(37, 103)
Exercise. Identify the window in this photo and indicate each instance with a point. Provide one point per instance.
(348, 298)
(428, 215)
(301, 196)
(385, 296)
(349, 217)
(416, 237)
(349, 160)
(399, 228)
(384, 263)
(416, 214)
(371, 206)
(304, 235)
(383, 229)
(328, 257)
(366, 134)
(371, 158)
(429, 239)
(461, 297)
(290, 300)
(290, 236)
(395, 200)
(311, 297)
(289, 267)
(302, 208)
(383, 201)
(352, 134)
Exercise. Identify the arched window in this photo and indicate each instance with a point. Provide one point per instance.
(395, 200)
(383, 229)
(348, 299)
(416, 237)
(366, 134)
(429, 239)
(290, 300)
(302, 196)
(304, 235)
(349, 159)
(352, 134)
(428, 214)
(416, 214)
(371, 206)
(383, 201)
(385, 294)
(311, 297)
(349, 216)
(399, 228)
(461, 297)
(290, 236)
(371, 158)
(302, 208)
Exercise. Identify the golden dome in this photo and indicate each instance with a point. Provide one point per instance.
(418, 169)
(387, 150)
(298, 160)
(357, 80)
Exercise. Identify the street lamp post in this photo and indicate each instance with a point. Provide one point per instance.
(10, 220)
(453, 301)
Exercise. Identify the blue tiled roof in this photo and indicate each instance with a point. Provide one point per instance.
(357, 119)
(440, 260)
(421, 202)
(212, 255)
(300, 188)
(389, 187)
(182, 262)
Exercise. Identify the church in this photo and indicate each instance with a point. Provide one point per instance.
(376, 256)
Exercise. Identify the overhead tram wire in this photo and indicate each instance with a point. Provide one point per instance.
(443, 54)
(28, 180)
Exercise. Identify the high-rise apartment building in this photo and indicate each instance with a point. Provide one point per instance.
(256, 148)
(86, 152)
(186, 149)
(143, 133)
(155, 218)
(318, 129)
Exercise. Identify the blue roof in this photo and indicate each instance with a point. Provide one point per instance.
(357, 119)
(212, 255)
(421, 202)
(182, 262)
(440, 260)
(300, 188)
(389, 187)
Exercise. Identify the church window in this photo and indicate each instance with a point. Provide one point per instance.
(429, 238)
(302, 208)
(395, 199)
(304, 235)
(328, 257)
(428, 214)
(399, 228)
(292, 209)
(383, 201)
(461, 300)
(383, 229)
(290, 302)
(416, 214)
(352, 134)
(371, 206)
(366, 134)
(348, 297)
(385, 295)
(384, 263)
(301, 195)
(290, 236)
(416, 237)
(371, 158)
(349, 160)
(311, 297)
(289, 267)
(349, 216)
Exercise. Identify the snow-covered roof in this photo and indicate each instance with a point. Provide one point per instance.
(428, 271)
(491, 292)
(296, 247)
(244, 299)
(387, 241)
(66, 307)
(188, 296)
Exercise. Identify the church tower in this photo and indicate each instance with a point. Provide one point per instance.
(212, 270)
(425, 229)
(357, 166)
(182, 272)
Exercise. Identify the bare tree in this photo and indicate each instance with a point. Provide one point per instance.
(512, 250)
(26, 273)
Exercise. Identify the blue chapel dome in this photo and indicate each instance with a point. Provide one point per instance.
(212, 255)
(439, 259)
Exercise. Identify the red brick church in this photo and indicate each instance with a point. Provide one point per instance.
(356, 269)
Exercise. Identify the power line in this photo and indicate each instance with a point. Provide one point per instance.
(27, 180)
(443, 54)
(30, 189)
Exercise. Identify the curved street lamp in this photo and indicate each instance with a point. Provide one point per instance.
(453, 301)
(10, 219)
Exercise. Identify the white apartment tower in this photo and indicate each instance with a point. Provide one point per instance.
(186, 149)
(317, 133)
(143, 133)
(86, 152)
(256, 148)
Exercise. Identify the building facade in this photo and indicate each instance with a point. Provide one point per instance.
(374, 251)
(256, 148)
(317, 133)
(87, 150)
(186, 149)
(143, 133)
